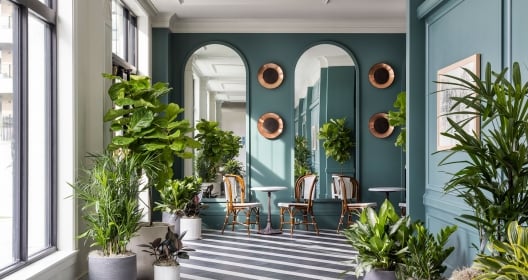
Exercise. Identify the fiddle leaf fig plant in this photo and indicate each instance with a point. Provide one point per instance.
(302, 157)
(398, 118)
(492, 175)
(337, 140)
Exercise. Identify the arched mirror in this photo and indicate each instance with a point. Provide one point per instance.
(324, 78)
(215, 90)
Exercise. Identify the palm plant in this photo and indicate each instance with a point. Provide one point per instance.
(493, 180)
(109, 192)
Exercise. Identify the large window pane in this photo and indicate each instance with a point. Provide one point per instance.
(7, 12)
(37, 141)
(118, 32)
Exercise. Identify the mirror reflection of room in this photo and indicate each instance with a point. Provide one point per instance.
(215, 87)
(324, 77)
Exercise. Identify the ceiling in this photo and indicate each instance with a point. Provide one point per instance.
(224, 70)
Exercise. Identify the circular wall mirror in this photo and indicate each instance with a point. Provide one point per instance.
(381, 75)
(270, 75)
(379, 125)
(270, 125)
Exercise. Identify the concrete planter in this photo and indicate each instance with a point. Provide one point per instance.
(380, 275)
(166, 272)
(118, 267)
(193, 227)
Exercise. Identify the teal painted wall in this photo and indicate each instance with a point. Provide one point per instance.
(271, 161)
(454, 30)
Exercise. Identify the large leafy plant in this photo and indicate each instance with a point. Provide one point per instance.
(337, 140)
(109, 192)
(178, 193)
(145, 125)
(493, 178)
(302, 157)
(380, 238)
(509, 259)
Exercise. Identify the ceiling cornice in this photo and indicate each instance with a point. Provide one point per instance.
(177, 25)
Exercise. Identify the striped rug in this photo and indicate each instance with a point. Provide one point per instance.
(266, 257)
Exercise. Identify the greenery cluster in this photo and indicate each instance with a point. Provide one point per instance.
(337, 140)
(216, 148)
(302, 157)
(177, 194)
(386, 241)
(167, 251)
(234, 167)
(494, 178)
(398, 118)
(109, 191)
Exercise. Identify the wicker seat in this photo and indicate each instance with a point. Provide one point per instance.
(303, 204)
(347, 189)
(235, 191)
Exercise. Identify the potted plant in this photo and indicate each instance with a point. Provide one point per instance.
(426, 253)
(191, 222)
(508, 259)
(109, 193)
(302, 157)
(145, 125)
(216, 147)
(381, 241)
(337, 140)
(493, 179)
(398, 118)
(175, 196)
(166, 253)
(234, 167)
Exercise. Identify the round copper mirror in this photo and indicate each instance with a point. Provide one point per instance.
(270, 125)
(270, 75)
(381, 75)
(379, 125)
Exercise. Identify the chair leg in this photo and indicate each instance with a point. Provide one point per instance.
(248, 221)
(281, 215)
(257, 218)
(226, 220)
(343, 211)
(314, 222)
(292, 221)
(235, 220)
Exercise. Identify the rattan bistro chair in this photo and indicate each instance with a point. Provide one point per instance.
(303, 204)
(235, 192)
(347, 189)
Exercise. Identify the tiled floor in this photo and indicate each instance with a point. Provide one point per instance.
(265, 257)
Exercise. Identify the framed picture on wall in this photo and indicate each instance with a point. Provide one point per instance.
(445, 102)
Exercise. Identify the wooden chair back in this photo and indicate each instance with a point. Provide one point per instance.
(235, 188)
(347, 188)
(305, 189)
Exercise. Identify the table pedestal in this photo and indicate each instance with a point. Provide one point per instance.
(269, 229)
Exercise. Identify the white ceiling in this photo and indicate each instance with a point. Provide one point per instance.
(224, 70)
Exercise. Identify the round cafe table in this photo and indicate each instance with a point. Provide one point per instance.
(269, 189)
(386, 190)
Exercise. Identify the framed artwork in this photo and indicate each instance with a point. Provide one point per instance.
(445, 103)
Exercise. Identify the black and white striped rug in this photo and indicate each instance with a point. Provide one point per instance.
(265, 257)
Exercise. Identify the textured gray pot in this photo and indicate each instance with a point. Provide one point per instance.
(380, 275)
(119, 267)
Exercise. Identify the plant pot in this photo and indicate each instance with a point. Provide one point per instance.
(146, 234)
(376, 274)
(171, 272)
(172, 220)
(117, 267)
(193, 227)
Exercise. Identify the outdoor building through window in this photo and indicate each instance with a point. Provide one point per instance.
(27, 132)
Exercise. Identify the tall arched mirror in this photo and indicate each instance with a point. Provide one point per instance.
(325, 77)
(215, 90)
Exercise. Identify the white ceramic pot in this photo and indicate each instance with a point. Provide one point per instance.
(380, 275)
(120, 267)
(193, 227)
(166, 272)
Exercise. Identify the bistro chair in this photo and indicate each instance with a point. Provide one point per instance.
(235, 192)
(303, 204)
(347, 189)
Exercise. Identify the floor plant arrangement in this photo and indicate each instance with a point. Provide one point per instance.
(392, 247)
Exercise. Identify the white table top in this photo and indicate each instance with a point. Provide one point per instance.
(386, 189)
(269, 188)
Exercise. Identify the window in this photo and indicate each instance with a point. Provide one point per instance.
(27, 132)
(124, 33)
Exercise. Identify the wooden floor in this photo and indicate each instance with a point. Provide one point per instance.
(265, 257)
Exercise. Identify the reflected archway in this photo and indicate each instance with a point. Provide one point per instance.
(325, 77)
(215, 88)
